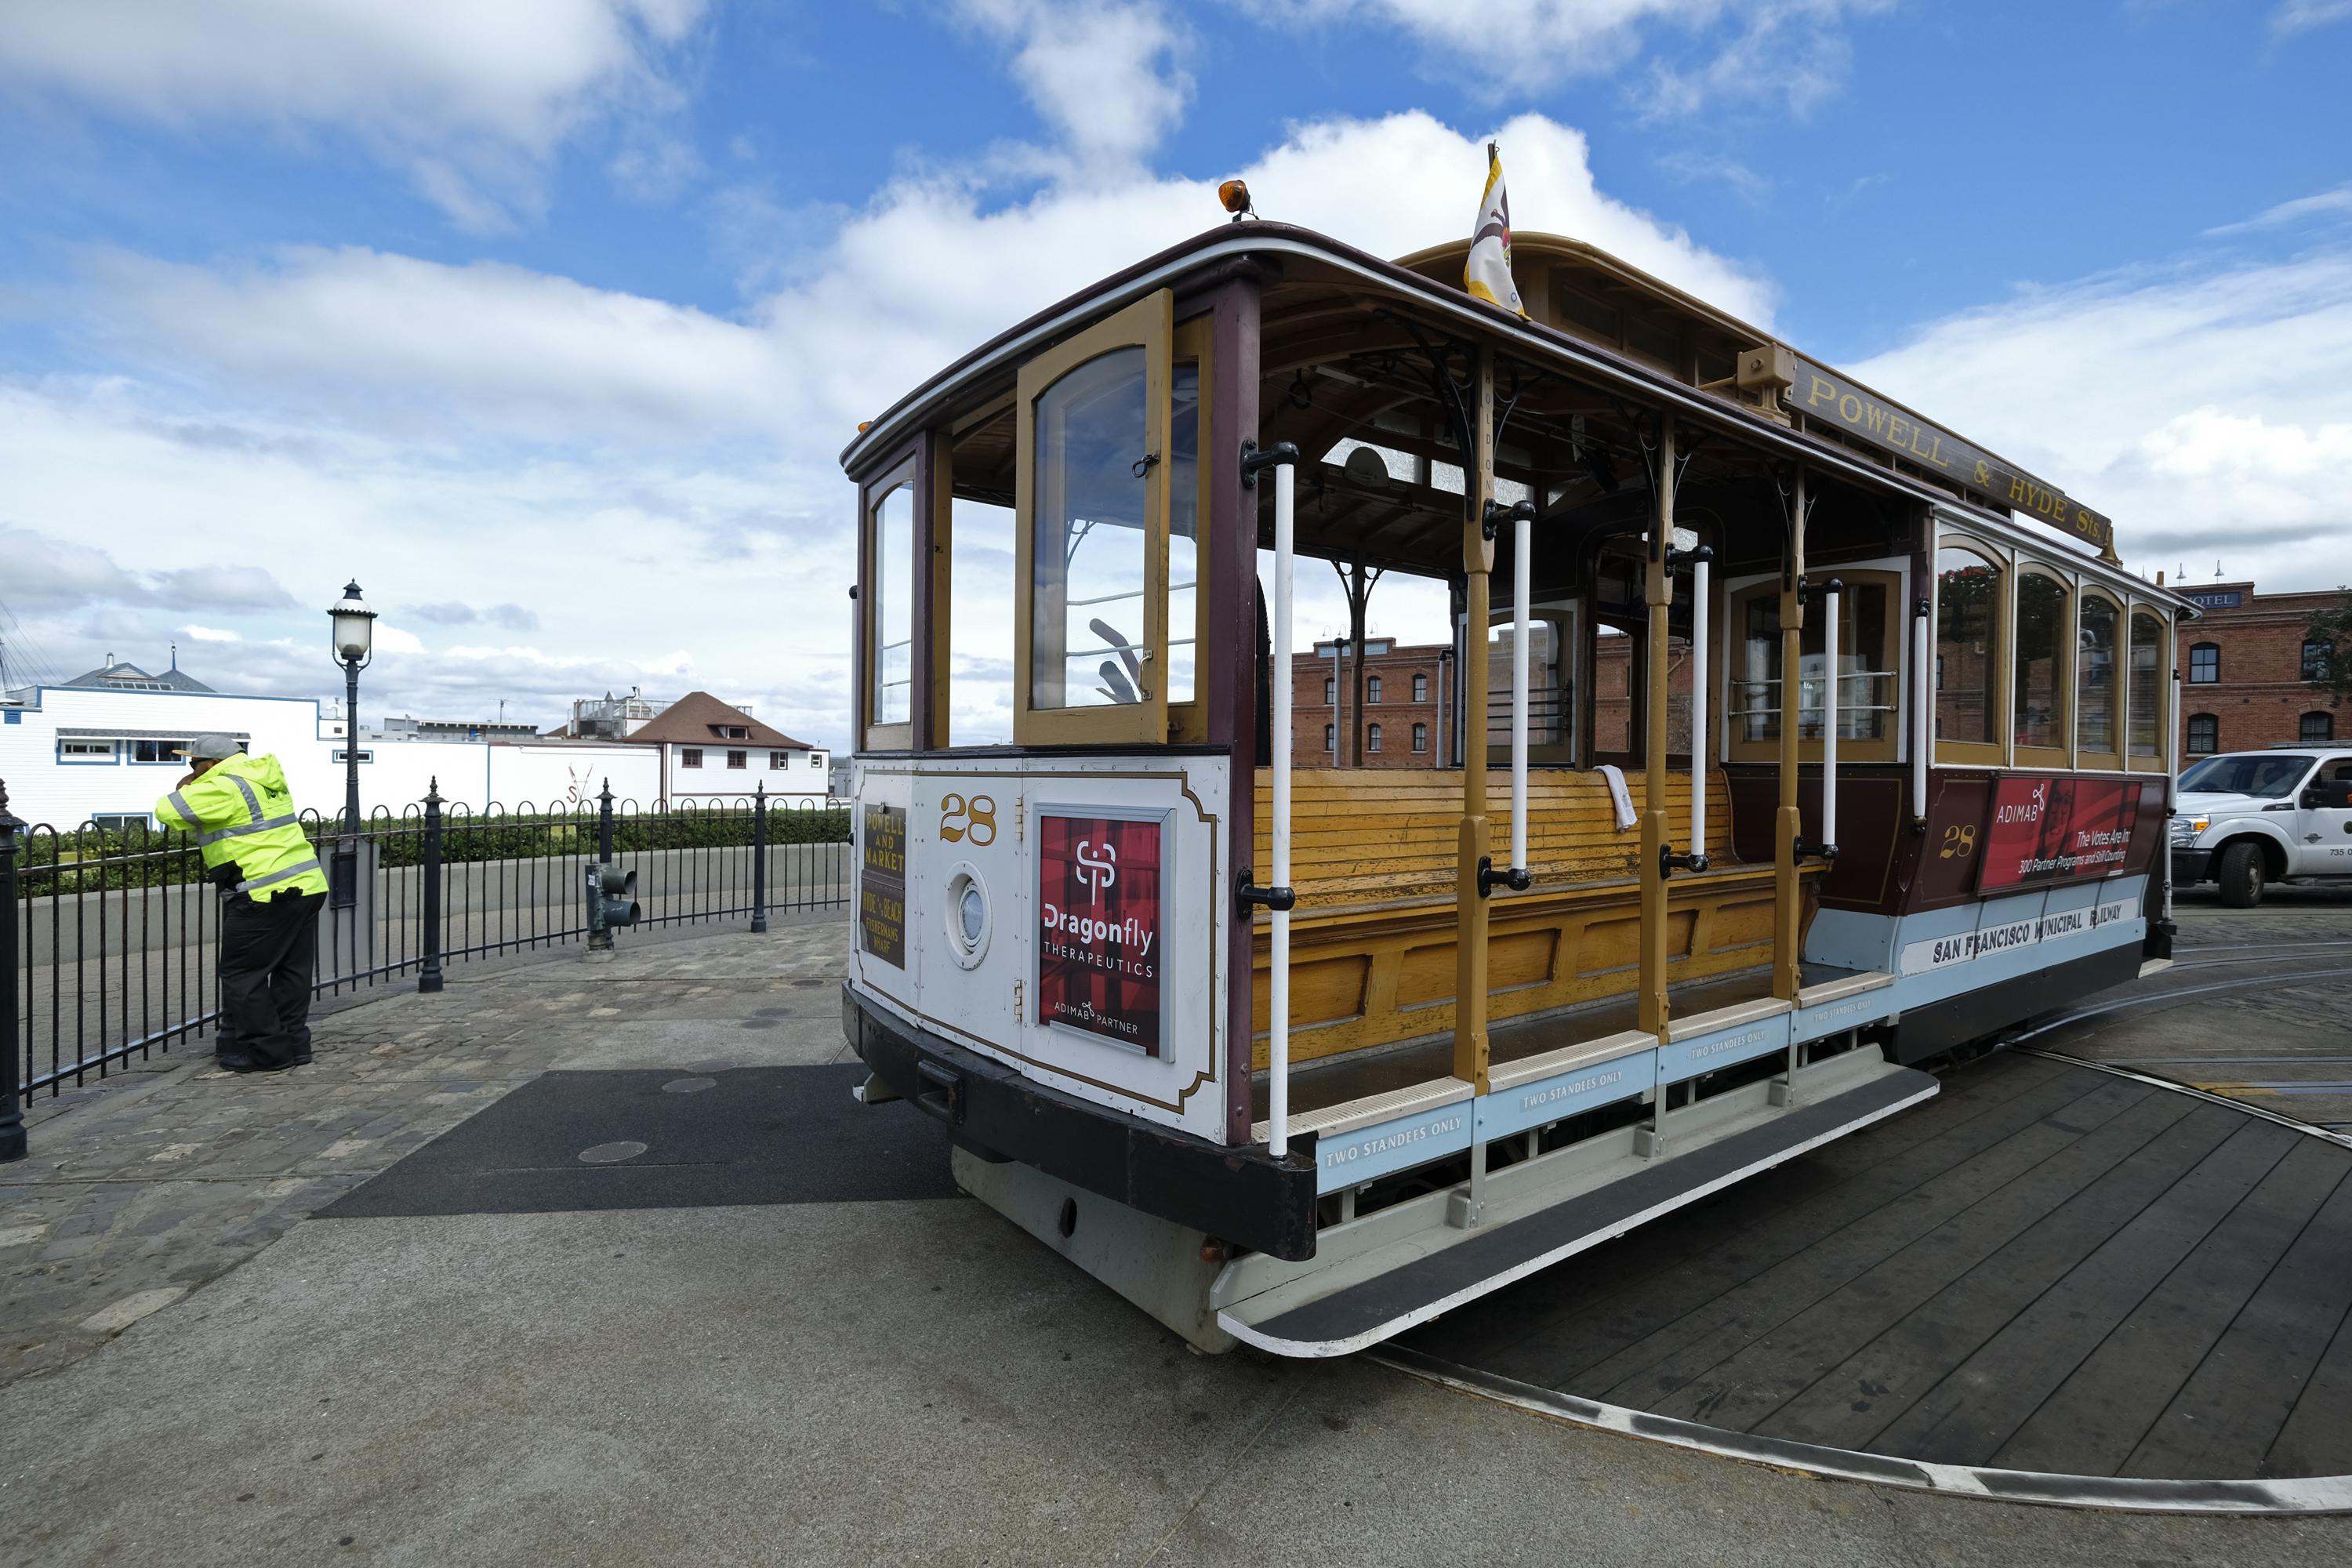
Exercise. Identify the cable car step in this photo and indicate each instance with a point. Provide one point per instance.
(1424, 1282)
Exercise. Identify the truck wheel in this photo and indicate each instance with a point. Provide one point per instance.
(2240, 876)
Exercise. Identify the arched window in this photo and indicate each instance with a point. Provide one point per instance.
(2147, 692)
(2317, 658)
(1372, 738)
(2317, 726)
(1420, 689)
(1419, 734)
(1372, 689)
(2044, 628)
(2097, 696)
(1968, 654)
(2204, 734)
(2204, 663)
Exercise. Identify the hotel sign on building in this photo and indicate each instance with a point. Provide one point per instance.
(1826, 399)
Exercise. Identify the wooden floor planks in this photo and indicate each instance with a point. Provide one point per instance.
(2046, 1268)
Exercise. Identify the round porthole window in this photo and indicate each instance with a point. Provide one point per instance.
(967, 915)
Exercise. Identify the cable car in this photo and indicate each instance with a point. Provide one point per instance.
(1793, 743)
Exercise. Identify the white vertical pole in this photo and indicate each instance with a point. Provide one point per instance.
(1522, 549)
(1922, 736)
(1830, 716)
(1277, 1085)
(1698, 721)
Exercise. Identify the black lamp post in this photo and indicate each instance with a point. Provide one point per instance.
(355, 642)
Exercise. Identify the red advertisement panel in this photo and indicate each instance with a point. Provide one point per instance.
(2058, 830)
(1098, 927)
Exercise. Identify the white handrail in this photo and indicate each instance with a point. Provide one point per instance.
(1277, 1046)
(1830, 715)
(1699, 721)
(1522, 550)
(1923, 740)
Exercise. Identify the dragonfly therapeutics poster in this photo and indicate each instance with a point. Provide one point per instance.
(1098, 920)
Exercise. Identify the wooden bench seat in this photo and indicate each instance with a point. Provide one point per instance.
(1374, 863)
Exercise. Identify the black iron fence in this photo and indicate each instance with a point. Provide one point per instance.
(112, 938)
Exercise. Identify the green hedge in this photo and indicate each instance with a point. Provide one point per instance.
(98, 859)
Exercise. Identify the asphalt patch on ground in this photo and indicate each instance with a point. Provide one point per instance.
(668, 1139)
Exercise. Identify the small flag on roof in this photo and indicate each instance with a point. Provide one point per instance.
(1487, 273)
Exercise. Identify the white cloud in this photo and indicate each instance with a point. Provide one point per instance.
(470, 98)
(210, 634)
(482, 445)
(1106, 74)
(2204, 410)
(428, 343)
(2302, 15)
(1789, 52)
(2324, 204)
(449, 352)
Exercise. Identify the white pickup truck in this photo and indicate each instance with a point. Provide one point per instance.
(2247, 818)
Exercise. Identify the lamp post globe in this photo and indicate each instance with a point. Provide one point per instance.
(353, 643)
(354, 625)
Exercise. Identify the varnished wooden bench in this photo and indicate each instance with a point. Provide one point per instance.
(1374, 858)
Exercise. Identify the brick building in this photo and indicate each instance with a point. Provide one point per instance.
(1402, 720)
(2243, 671)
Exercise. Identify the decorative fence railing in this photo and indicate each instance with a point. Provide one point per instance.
(112, 939)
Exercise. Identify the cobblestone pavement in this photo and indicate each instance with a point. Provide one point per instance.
(141, 1189)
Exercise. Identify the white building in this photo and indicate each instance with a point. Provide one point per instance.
(710, 752)
(104, 747)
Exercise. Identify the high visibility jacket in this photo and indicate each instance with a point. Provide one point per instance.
(242, 814)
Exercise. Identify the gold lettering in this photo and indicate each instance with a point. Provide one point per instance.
(1823, 391)
(1983, 475)
(2016, 491)
(1882, 423)
(1851, 415)
(1935, 452)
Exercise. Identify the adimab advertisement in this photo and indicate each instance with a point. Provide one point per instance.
(1098, 927)
(2058, 829)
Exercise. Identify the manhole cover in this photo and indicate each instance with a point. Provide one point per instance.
(689, 1085)
(611, 1154)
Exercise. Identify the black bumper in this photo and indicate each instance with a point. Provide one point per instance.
(1242, 1196)
(2190, 866)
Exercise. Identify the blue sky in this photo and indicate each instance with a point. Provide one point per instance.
(505, 308)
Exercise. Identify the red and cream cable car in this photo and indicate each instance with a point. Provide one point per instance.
(1808, 744)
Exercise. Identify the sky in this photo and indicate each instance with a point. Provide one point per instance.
(547, 320)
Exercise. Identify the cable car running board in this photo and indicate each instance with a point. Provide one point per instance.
(1424, 1283)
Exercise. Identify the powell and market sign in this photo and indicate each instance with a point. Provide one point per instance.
(1822, 397)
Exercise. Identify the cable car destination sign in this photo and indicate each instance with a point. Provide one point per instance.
(1822, 397)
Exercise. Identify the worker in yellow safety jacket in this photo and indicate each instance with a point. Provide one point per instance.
(239, 808)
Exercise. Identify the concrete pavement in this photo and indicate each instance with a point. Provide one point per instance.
(877, 1381)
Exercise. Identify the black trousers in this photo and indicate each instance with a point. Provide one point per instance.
(270, 950)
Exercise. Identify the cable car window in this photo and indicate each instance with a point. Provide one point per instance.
(1088, 586)
(1968, 648)
(2146, 721)
(2095, 677)
(1865, 673)
(892, 611)
(2043, 629)
(1183, 529)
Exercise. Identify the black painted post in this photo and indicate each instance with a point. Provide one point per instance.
(760, 857)
(604, 823)
(12, 1110)
(428, 977)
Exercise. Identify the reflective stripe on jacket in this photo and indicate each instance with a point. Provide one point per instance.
(241, 812)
